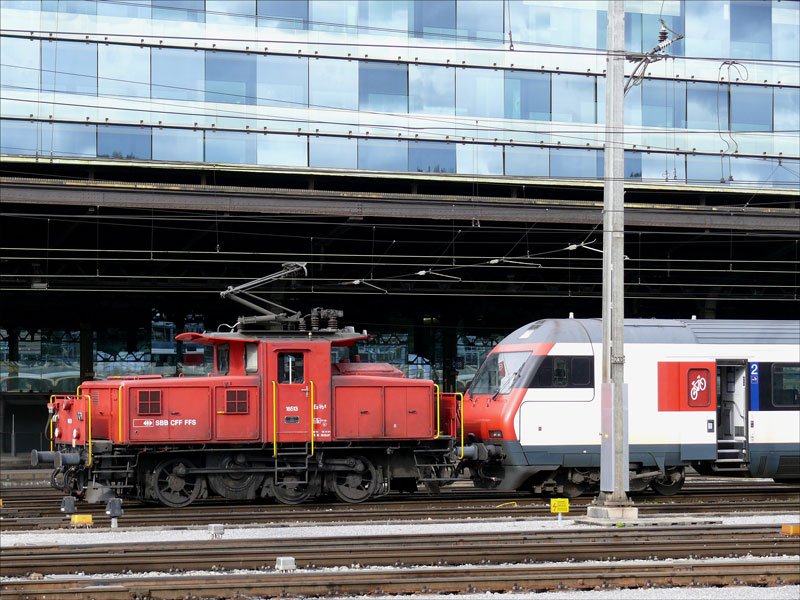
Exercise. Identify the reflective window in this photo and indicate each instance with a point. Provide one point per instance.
(434, 18)
(480, 20)
(333, 152)
(751, 108)
(340, 16)
(231, 12)
(575, 25)
(479, 159)
(333, 83)
(431, 89)
(706, 106)
(758, 172)
(787, 110)
(479, 93)
(179, 10)
(785, 25)
(432, 157)
(131, 9)
(283, 14)
(708, 170)
(527, 95)
(282, 81)
(642, 28)
(18, 137)
(576, 163)
(178, 74)
(69, 67)
(282, 150)
(633, 165)
(751, 29)
(788, 173)
(231, 147)
(662, 167)
(230, 77)
(383, 87)
(527, 161)
(123, 70)
(383, 17)
(19, 64)
(382, 155)
(68, 139)
(180, 145)
(124, 142)
(76, 7)
(707, 29)
(574, 98)
(663, 103)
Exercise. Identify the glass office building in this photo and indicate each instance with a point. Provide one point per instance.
(449, 88)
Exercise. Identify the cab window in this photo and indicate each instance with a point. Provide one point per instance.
(251, 357)
(290, 367)
(223, 359)
(565, 372)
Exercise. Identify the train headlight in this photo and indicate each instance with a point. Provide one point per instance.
(496, 434)
(75, 434)
(57, 432)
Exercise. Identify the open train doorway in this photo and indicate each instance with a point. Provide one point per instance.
(732, 403)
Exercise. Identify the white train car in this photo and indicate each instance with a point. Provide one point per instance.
(720, 395)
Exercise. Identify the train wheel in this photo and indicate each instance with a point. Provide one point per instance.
(294, 489)
(174, 485)
(670, 484)
(355, 485)
(233, 484)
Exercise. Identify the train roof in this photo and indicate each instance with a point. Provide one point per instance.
(665, 331)
(336, 337)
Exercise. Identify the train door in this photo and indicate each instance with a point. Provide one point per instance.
(732, 405)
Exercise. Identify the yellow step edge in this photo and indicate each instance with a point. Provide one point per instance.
(793, 529)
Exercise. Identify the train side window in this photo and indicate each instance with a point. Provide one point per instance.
(251, 357)
(786, 385)
(223, 359)
(581, 372)
(290, 367)
(149, 402)
(236, 402)
(564, 372)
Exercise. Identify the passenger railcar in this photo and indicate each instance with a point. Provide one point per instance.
(722, 396)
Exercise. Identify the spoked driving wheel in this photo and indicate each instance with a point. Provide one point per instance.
(174, 485)
(293, 488)
(356, 484)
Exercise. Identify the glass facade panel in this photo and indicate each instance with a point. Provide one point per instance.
(785, 27)
(180, 145)
(19, 64)
(383, 87)
(788, 173)
(708, 170)
(751, 108)
(333, 152)
(751, 29)
(706, 106)
(382, 155)
(231, 147)
(633, 165)
(434, 19)
(130, 9)
(663, 103)
(432, 157)
(479, 93)
(663, 167)
(282, 81)
(68, 139)
(178, 74)
(707, 29)
(19, 137)
(333, 83)
(69, 67)
(283, 14)
(573, 98)
(787, 110)
(383, 17)
(480, 20)
(230, 77)
(756, 172)
(575, 163)
(479, 159)
(282, 150)
(179, 10)
(431, 90)
(340, 16)
(576, 25)
(527, 161)
(231, 12)
(75, 7)
(123, 71)
(124, 142)
(527, 95)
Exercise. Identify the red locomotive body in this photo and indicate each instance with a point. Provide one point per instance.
(280, 416)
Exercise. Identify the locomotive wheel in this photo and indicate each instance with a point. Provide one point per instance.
(670, 484)
(174, 486)
(355, 485)
(293, 489)
(233, 484)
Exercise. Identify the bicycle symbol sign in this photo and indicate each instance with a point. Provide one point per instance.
(698, 385)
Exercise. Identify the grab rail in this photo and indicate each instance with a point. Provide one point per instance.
(313, 387)
(461, 411)
(52, 444)
(274, 418)
(438, 398)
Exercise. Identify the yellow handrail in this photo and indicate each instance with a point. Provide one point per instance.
(274, 418)
(461, 410)
(438, 396)
(89, 428)
(119, 410)
(312, 417)
(52, 446)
